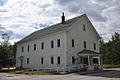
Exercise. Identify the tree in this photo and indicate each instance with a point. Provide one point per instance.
(111, 50)
(5, 39)
(5, 55)
(12, 59)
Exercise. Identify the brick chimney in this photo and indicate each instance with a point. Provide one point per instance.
(63, 18)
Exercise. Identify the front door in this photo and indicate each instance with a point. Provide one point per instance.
(21, 60)
(21, 63)
(85, 60)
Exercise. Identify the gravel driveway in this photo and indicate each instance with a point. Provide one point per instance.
(112, 74)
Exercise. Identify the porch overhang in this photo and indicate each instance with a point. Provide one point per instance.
(86, 52)
(87, 56)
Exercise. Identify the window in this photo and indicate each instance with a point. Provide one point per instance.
(52, 44)
(34, 47)
(28, 48)
(27, 60)
(58, 59)
(41, 60)
(84, 44)
(58, 42)
(94, 46)
(22, 49)
(84, 27)
(73, 60)
(42, 45)
(52, 60)
(73, 43)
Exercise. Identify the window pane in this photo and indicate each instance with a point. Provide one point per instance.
(27, 60)
(34, 47)
(28, 48)
(83, 27)
(58, 42)
(94, 46)
(95, 61)
(41, 60)
(52, 44)
(22, 49)
(42, 45)
(58, 59)
(73, 60)
(52, 60)
(72, 42)
(84, 44)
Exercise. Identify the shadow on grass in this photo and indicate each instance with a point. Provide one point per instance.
(104, 73)
(6, 71)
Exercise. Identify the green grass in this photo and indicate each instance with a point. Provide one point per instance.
(14, 71)
(31, 73)
(111, 66)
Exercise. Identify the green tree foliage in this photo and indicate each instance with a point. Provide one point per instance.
(7, 55)
(111, 50)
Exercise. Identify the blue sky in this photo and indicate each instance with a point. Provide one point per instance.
(19, 18)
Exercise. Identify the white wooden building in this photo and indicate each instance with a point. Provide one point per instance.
(71, 44)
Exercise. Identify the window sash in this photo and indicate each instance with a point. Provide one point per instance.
(41, 60)
(42, 45)
(58, 59)
(73, 43)
(84, 44)
(52, 44)
(52, 60)
(58, 42)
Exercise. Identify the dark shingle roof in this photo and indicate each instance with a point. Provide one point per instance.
(49, 30)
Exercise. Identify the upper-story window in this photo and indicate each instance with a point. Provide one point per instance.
(34, 47)
(42, 45)
(27, 60)
(22, 49)
(58, 58)
(94, 46)
(73, 43)
(84, 28)
(52, 44)
(52, 60)
(73, 60)
(58, 42)
(84, 44)
(28, 48)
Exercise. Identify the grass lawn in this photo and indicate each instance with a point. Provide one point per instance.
(30, 72)
(111, 66)
(14, 71)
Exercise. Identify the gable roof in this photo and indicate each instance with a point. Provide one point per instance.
(52, 29)
(86, 51)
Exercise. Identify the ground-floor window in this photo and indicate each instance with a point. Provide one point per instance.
(58, 59)
(52, 60)
(95, 60)
(41, 60)
(73, 59)
(27, 60)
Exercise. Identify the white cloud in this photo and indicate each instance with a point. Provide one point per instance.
(21, 16)
(18, 16)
